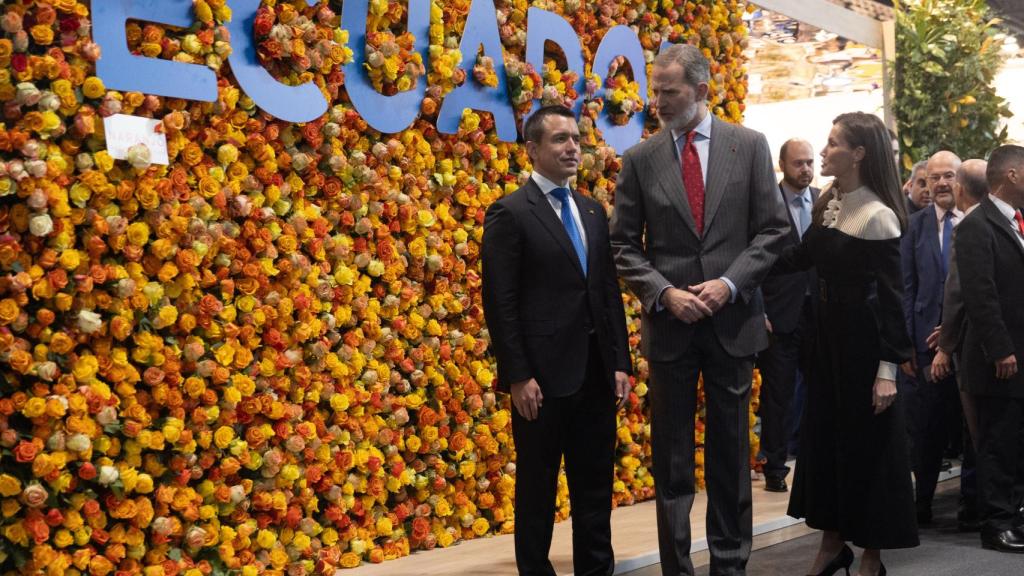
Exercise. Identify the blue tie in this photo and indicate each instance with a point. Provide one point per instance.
(947, 239)
(805, 216)
(562, 194)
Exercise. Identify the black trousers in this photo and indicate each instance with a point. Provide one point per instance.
(580, 427)
(786, 355)
(927, 405)
(1000, 461)
(673, 390)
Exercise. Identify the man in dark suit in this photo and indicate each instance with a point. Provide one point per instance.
(790, 314)
(925, 253)
(555, 315)
(916, 188)
(990, 256)
(698, 223)
(971, 188)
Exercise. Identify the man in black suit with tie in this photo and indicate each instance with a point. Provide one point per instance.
(555, 314)
(698, 223)
(925, 254)
(789, 310)
(989, 248)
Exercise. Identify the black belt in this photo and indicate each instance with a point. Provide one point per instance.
(843, 293)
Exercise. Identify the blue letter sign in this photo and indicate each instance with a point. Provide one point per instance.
(121, 70)
(481, 29)
(388, 114)
(302, 103)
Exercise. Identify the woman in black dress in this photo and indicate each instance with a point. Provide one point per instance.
(852, 478)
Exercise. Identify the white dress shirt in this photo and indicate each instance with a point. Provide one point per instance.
(546, 186)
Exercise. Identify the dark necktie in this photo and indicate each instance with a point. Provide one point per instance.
(947, 239)
(693, 181)
(562, 194)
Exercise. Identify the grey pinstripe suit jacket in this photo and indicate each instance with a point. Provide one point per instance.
(655, 242)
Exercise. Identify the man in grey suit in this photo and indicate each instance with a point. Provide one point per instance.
(698, 223)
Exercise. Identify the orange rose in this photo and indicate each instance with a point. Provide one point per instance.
(26, 451)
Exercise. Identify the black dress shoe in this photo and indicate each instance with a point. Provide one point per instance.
(775, 484)
(1005, 541)
(842, 561)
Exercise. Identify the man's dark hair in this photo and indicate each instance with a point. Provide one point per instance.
(1002, 159)
(533, 130)
(791, 142)
(974, 184)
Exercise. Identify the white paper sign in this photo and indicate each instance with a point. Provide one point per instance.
(124, 131)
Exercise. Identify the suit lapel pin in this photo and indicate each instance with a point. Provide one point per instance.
(591, 210)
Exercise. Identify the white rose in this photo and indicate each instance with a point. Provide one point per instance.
(89, 321)
(108, 475)
(79, 443)
(47, 370)
(107, 415)
(195, 537)
(139, 156)
(40, 224)
(34, 496)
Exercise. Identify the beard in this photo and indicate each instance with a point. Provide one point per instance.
(682, 119)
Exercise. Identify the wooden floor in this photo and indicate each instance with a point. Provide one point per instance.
(634, 538)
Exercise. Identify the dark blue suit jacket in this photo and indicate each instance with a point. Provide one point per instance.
(923, 280)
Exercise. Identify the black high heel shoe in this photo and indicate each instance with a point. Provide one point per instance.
(843, 561)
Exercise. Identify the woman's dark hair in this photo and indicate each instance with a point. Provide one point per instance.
(877, 169)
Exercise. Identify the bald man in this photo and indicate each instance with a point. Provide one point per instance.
(925, 256)
(971, 188)
(790, 318)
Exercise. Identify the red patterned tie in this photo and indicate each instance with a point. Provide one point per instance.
(1020, 222)
(693, 181)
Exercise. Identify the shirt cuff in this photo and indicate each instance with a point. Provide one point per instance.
(886, 371)
(657, 301)
(732, 289)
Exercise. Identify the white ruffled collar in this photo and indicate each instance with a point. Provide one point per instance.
(859, 213)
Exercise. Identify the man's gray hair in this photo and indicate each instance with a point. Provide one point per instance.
(921, 165)
(695, 66)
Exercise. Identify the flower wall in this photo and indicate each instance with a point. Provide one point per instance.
(269, 355)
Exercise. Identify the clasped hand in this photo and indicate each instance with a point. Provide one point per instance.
(528, 399)
(696, 302)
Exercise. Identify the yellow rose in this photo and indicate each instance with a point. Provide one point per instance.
(223, 436)
(104, 161)
(42, 34)
(63, 539)
(9, 311)
(93, 87)
(34, 408)
(9, 486)
(481, 526)
(70, 259)
(85, 369)
(138, 233)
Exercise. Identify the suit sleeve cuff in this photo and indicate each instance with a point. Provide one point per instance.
(657, 300)
(732, 289)
(886, 371)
